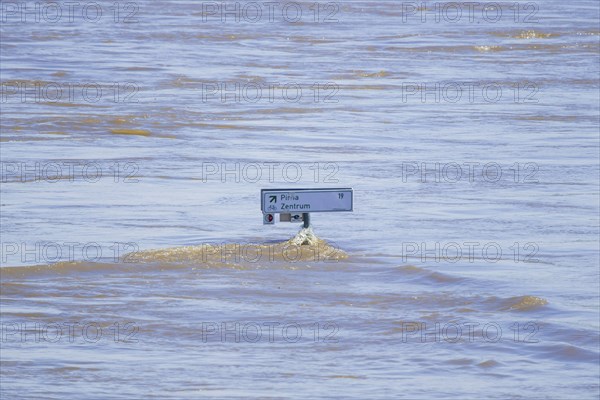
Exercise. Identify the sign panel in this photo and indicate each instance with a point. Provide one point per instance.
(290, 217)
(294, 201)
(268, 219)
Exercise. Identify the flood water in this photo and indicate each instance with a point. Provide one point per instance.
(135, 139)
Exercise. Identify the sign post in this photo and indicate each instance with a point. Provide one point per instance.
(306, 218)
(305, 201)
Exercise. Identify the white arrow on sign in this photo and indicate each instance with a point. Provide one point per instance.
(295, 201)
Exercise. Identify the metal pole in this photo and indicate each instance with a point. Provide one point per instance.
(306, 219)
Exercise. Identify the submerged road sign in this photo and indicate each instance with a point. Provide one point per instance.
(294, 201)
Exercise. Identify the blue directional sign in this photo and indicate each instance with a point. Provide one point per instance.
(293, 201)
